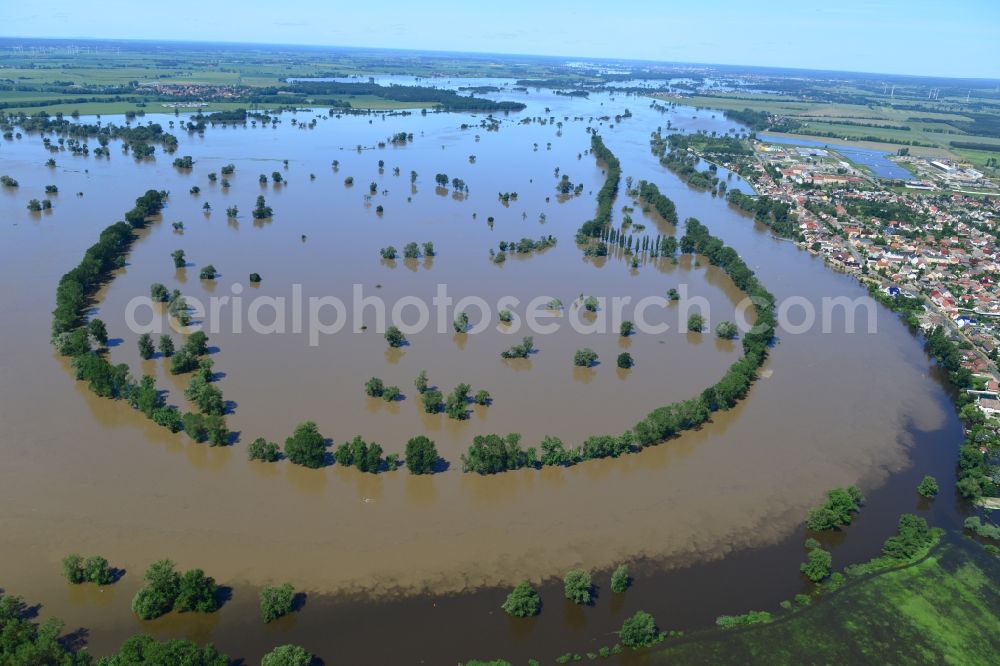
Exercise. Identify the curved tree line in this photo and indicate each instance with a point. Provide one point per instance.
(85, 342)
(490, 454)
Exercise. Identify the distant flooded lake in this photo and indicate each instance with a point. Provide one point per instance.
(711, 520)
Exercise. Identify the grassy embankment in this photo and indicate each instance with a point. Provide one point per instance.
(944, 609)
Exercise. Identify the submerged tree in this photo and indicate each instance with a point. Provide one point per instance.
(421, 455)
(620, 580)
(521, 350)
(306, 446)
(585, 357)
(727, 330)
(287, 655)
(276, 601)
(433, 400)
(578, 586)
(146, 348)
(395, 337)
(166, 346)
(374, 387)
(261, 449)
(261, 210)
(421, 381)
(818, 564)
(638, 631)
(523, 601)
(928, 487)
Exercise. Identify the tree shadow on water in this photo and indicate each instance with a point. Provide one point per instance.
(440, 465)
(223, 594)
(75, 641)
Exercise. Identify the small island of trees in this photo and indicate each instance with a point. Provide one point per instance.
(585, 357)
(818, 563)
(522, 350)
(727, 330)
(93, 569)
(366, 457)
(578, 586)
(639, 631)
(411, 250)
(838, 510)
(276, 601)
(261, 210)
(287, 655)
(35, 206)
(306, 446)
(421, 455)
(263, 450)
(164, 590)
(523, 601)
(928, 487)
(395, 337)
(620, 579)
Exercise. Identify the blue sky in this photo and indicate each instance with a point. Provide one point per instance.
(946, 38)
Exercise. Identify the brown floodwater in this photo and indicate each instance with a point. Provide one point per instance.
(711, 520)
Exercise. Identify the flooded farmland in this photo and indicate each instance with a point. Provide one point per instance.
(709, 519)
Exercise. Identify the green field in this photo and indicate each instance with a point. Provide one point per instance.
(156, 106)
(63, 80)
(847, 122)
(945, 609)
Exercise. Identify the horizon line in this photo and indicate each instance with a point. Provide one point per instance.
(506, 54)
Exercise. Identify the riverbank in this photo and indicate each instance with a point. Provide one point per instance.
(943, 609)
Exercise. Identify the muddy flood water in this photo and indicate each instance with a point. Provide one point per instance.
(407, 569)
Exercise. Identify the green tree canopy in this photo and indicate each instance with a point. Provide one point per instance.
(306, 446)
(421, 455)
(638, 631)
(523, 601)
(578, 586)
(276, 601)
(287, 655)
